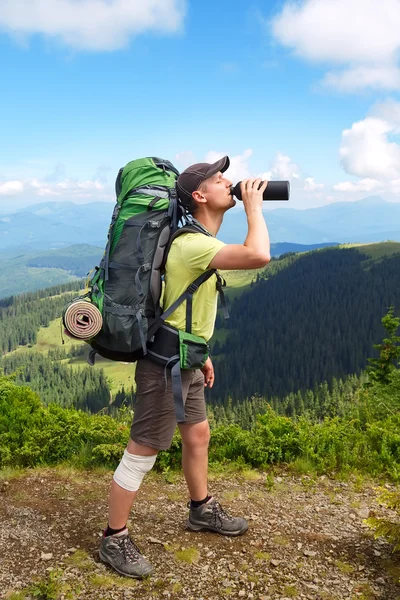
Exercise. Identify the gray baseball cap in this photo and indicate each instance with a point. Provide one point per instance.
(191, 178)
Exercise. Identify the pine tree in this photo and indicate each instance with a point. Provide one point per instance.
(389, 350)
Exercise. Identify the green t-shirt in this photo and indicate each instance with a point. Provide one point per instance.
(189, 256)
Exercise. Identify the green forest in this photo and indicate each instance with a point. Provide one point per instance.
(298, 338)
(313, 321)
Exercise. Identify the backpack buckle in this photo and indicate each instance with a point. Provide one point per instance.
(192, 288)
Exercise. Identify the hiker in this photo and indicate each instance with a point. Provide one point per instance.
(205, 192)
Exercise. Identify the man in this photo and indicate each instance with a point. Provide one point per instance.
(205, 191)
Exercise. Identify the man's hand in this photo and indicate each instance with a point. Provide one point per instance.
(252, 196)
(208, 372)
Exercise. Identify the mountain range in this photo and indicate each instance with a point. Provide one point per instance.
(51, 225)
(25, 270)
(369, 220)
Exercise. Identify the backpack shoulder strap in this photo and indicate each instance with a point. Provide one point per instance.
(187, 228)
(186, 295)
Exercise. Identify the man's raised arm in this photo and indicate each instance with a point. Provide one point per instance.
(255, 251)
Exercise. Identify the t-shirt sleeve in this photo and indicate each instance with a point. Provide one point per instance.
(198, 250)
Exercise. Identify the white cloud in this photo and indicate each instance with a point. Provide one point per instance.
(395, 186)
(282, 169)
(91, 24)
(366, 151)
(184, 159)
(64, 190)
(311, 186)
(389, 111)
(369, 151)
(11, 188)
(364, 185)
(362, 35)
(381, 77)
(239, 164)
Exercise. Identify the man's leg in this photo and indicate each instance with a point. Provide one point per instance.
(205, 513)
(121, 499)
(195, 440)
(153, 427)
(117, 548)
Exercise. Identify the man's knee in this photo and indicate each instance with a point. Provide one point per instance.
(195, 435)
(131, 470)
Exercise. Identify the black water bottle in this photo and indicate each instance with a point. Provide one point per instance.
(275, 190)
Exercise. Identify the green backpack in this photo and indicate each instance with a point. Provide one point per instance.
(126, 287)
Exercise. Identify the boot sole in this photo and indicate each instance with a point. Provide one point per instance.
(106, 561)
(197, 528)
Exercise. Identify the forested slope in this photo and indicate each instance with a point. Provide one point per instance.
(314, 320)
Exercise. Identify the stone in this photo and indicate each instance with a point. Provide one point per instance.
(47, 556)
(275, 562)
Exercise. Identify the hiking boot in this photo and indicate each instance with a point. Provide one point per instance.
(124, 556)
(212, 517)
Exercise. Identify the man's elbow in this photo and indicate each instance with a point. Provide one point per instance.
(264, 259)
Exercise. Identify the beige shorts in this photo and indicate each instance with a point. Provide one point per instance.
(154, 419)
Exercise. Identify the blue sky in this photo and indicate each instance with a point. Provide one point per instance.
(307, 92)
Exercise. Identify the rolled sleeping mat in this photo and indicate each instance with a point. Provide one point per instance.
(82, 319)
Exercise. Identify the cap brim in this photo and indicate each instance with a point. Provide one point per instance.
(220, 165)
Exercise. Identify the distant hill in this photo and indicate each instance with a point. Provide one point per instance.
(31, 271)
(368, 220)
(27, 271)
(58, 224)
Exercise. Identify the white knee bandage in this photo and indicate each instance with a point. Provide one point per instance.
(131, 470)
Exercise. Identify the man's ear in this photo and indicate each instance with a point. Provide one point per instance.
(199, 197)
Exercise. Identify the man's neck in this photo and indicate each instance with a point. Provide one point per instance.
(211, 222)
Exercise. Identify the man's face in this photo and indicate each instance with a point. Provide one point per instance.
(216, 189)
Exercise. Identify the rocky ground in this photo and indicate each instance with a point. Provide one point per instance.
(306, 539)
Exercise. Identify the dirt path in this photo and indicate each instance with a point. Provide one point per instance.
(306, 539)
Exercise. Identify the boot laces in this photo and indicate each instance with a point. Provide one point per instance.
(220, 514)
(129, 549)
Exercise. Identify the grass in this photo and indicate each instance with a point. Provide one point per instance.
(237, 280)
(108, 582)
(187, 555)
(81, 560)
(251, 475)
(290, 591)
(344, 567)
(8, 473)
(378, 250)
(231, 495)
(49, 338)
(262, 555)
(281, 540)
(302, 466)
